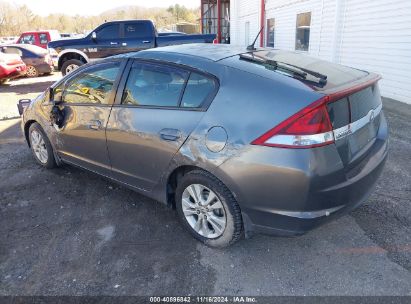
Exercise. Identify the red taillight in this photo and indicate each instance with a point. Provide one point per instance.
(308, 128)
(215, 41)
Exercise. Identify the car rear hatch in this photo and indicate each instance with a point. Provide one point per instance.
(351, 97)
(355, 114)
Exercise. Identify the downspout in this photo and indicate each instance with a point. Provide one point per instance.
(219, 21)
(202, 17)
(262, 21)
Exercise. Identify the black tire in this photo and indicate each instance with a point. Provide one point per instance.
(51, 162)
(69, 62)
(234, 225)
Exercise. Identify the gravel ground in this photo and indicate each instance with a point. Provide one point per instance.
(70, 232)
(20, 88)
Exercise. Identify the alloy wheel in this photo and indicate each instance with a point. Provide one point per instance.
(39, 146)
(31, 71)
(71, 67)
(204, 211)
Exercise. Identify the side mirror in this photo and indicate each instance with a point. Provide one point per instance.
(52, 97)
(94, 36)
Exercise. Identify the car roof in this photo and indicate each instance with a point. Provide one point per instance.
(30, 47)
(213, 52)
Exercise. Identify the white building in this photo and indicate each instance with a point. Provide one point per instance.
(373, 35)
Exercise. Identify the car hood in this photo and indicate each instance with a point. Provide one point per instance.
(65, 42)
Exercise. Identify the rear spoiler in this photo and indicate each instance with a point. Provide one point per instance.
(352, 87)
(23, 103)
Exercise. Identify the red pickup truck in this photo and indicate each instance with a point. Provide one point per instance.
(39, 38)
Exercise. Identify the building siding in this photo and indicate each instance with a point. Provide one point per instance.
(370, 35)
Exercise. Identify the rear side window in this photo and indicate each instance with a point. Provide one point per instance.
(197, 90)
(137, 30)
(154, 85)
(92, 85)
(43, 38)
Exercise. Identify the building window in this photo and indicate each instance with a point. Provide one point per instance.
(270, 32)
(247, 33)
(302, 35)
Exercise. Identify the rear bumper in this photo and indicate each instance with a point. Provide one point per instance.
(12, 71)
(289, 192)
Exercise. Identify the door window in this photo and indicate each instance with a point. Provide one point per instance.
(154, 85)
(43, 38)
(28, 39)
(92, 85)
(108, 32)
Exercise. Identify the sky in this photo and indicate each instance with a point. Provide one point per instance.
(93, 7)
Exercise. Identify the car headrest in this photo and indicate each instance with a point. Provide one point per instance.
(157, 77)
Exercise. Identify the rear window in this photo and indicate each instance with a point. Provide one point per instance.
(339, 112)
(137, 30)
(337, 75)
(362, 101)
(43, 38)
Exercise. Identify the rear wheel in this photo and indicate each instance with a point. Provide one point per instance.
(32, 71)
(70, 66)
(208, 210)
(41, 147)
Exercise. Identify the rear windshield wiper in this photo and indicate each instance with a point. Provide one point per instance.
(312, 73)
(296, 71)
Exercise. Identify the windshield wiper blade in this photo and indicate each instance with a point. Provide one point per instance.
(273, 65)
(278, 65)
(313, 73)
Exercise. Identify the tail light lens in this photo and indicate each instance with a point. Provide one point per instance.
(215, 41)
(308, 128)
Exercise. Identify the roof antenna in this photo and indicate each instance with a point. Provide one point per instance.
(251, 47)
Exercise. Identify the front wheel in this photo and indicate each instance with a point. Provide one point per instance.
(41, 147)
(70, 66)
(208, 210)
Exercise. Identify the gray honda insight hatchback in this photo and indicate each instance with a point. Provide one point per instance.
(238, 140)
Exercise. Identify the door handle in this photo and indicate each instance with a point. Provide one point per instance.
(113, 43)
(146, 41)
(170, 134)
(94, 125)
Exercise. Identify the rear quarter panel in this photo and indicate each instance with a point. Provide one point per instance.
(246, 106)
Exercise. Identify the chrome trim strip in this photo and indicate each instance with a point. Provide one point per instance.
(309, 214)
(300, 140)
(358, 124)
